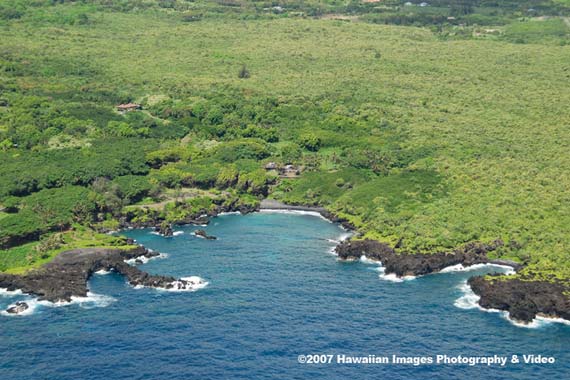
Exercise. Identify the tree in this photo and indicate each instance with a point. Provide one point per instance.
(6, 144)
(243, 72)
(310, 141)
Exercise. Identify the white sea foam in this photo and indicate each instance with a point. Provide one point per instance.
(366, 260)
(294, 212)
(144, 259)
(193, 283)
(337, 241)
(470, 300)
(92, 300)
(102, 272)
(9, 293)
(32, 306)
(543, 319)
(461, 268)
(392, 277)
(229, 213)
(175, 233)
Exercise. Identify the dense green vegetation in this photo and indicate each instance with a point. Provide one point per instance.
(430, 134)
(32, 255)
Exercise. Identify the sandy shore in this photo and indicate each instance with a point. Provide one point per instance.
(271, 204)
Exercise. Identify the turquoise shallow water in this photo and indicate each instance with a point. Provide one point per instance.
(275, 292)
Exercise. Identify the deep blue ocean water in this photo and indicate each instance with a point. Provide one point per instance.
(275, 292)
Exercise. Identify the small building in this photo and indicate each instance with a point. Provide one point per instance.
(424, 4)
(271, 166)
(128, 107)
(289, 171)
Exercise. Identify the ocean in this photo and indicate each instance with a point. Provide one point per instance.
(278, 305)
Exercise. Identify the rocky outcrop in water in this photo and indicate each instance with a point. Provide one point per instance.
(67, 275)
(18, 308)
(203, 234)
(408, 264)
(164, 229)
(523, 300)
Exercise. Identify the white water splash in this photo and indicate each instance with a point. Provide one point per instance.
(229, 213)
(470, 300)
(192, 284)
(460, 268)
(366, 260)
(392, 277)
(177, 233)
(9, 293)
(92, 300)
(145, 259)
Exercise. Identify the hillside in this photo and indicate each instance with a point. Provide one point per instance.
(421, 140)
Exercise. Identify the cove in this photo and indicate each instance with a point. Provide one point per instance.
(274, 292)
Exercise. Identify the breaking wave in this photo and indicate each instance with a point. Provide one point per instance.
(470, 300)
(392, 277)
(92, 300)
(193, 283)
(461, 268)
(144, 259)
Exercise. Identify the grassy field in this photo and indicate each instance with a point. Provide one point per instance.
(436, 142)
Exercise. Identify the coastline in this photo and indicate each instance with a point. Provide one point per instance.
(274, 205)
(65, 278)
(523, 301)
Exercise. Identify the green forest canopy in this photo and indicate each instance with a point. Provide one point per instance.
(428, 136)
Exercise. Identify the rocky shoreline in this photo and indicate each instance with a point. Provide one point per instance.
(407, 264)
(201, 218)
(66, 276)
(523, 300)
